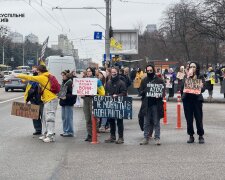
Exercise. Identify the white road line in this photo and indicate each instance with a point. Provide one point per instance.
(11, 99)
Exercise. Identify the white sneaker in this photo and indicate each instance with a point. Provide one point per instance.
(42, 137)
(157, 142)
(49, 139)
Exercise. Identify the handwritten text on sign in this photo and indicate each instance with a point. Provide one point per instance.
(85, 86)
(25, 110)
(109, 107)
(192, 86)
(155, 90)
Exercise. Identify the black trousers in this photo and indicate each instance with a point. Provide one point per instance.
(120, 126)
(193, 109)
(37, 122)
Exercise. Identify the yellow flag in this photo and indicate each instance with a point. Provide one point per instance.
(41, 62)
(115, 44)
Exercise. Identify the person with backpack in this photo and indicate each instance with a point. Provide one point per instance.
(67, 100)
(49, 90)
(32, 95)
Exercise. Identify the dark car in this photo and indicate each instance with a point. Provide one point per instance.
(14, 83)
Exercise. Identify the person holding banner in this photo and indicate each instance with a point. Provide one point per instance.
(50, 101)
(116, 87)
(192, 88)
(67, 100)
(152, 91)
(88, 103)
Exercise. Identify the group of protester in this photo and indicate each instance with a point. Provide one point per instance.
(113, 82)
(212, 76)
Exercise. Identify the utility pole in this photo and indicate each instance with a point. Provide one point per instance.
(107, 38)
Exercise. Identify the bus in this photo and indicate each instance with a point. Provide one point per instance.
(5, 68)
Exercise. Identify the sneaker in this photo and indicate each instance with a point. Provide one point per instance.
(37, 133)
(191, 139)
(102, 129)
(49, 138)
(157, 142)
(120, 141)
(110, 140)
(144, 142)
(107, 130)
(201, 140)
(68, 135)
(88, 138)
(42, 137)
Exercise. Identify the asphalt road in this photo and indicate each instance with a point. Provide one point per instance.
(23, 156)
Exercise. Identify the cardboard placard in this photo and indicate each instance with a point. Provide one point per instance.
(85, 86)
(169, 80)
(192, 86)
(108, 107)
(25, 110)
(155, 90)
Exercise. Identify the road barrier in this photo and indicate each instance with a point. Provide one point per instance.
(165, 111)
(178, 110)
(94, 130)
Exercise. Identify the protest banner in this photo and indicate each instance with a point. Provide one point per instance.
(155, 90)
(25, 110)
(168, 80)
(192, 86)
(85, 86)
(108, 107)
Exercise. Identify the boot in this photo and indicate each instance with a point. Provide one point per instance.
(191, 139)
(201, 140)
(144, 142)
(120, 141)
(89, 138)
(111, 139)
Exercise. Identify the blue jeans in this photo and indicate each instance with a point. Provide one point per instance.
(67, 118)
(152, 119)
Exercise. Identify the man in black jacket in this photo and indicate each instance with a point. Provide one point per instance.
(152, 90)
(33, 96)
(116, 87)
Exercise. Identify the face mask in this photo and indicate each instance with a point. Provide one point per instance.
(150, 75)
(114, 75)
(35, 73)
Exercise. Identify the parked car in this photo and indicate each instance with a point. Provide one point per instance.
(14, 83)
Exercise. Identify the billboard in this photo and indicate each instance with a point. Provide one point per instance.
(129, 41)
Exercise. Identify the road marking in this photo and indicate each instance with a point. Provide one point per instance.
(11, 99)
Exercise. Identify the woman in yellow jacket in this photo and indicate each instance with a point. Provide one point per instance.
(138, 78)
(50, 101)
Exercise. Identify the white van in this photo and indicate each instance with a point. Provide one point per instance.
(57, 64)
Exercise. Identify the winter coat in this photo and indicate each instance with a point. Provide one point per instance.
(147, 100)
(116, 86)
(70, 98)
(126, 79)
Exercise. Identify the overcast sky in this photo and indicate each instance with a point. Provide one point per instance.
(77, 24)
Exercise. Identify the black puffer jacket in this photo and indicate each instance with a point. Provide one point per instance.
(145, 100)
(116, 86)
(70, 98)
